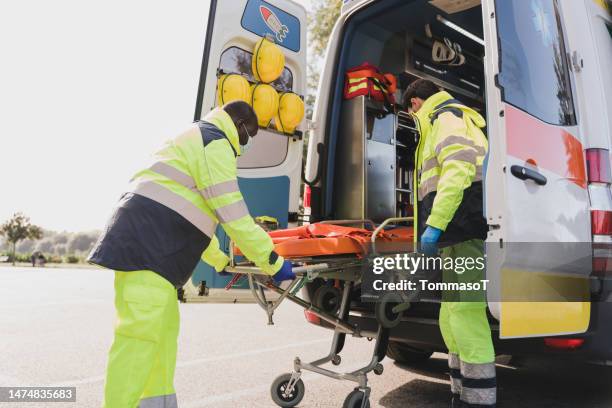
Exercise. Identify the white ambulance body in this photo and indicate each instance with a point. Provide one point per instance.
(539, 70)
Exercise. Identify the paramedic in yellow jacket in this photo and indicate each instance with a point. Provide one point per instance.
(449, 201)
(157, 235)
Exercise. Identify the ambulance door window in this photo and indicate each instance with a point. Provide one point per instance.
(534, 75)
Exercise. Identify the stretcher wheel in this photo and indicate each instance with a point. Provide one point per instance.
(328, 298)
(279, 397)
(336, 360)
(385, 315)
(355, 399)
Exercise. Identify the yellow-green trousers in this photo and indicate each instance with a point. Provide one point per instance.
(465, 329)
(142, 359)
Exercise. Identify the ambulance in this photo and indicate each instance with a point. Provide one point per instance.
(537, 70)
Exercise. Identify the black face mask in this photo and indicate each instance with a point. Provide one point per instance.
(248, 144)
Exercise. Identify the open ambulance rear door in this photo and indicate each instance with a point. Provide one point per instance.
(270, 172)
(539, 252)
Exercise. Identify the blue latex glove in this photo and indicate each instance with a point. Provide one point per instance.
(429, 241)
(284, 273)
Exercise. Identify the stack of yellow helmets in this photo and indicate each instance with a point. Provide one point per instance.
(267, 64)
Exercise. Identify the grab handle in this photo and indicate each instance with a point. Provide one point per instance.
(525, 173)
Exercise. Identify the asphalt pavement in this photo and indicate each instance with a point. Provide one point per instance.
(56, 327)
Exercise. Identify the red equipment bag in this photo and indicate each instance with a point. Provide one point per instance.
(366, 79)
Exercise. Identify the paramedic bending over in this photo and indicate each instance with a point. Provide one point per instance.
(449, 161)
(159, 232)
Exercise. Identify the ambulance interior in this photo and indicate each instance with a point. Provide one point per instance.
(369, 171)
(371, 176)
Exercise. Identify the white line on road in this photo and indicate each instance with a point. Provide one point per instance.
(198, 361)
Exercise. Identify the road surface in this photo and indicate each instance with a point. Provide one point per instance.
(56, 328)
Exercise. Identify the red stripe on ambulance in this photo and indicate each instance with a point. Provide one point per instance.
(549, 147)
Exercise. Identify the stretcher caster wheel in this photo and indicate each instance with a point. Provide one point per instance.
(336, 360)
(378, 370)
(355, 400)
(328, 298)
(281, 397)
(385, 315)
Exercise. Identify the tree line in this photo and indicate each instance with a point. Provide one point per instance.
(19, 239)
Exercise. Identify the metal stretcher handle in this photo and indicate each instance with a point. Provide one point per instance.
(384, 224)
(387, 222)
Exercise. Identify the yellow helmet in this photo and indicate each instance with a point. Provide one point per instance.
(232, 87)
(264, 100)
(268, 61)
(290, 112)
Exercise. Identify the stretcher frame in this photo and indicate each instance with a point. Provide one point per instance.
(343, 268)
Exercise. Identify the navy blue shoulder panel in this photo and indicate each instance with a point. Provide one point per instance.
(449, 102)
(211, 133)
(440, 109)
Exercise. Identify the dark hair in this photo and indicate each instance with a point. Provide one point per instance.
(421, 88)
(242, 114)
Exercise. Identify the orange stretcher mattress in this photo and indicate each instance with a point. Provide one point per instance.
(328, 239)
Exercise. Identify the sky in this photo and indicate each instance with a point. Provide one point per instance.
(88, 91)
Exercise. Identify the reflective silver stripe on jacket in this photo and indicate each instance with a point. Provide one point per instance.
(466, 155)
(174, 174)
(429, 164)
(162, 401)
(428, 186)
(219, 189)
(177, 203)
(166, 170)
(461, 140)
(232, 212)
(478, 176)
(431, 184)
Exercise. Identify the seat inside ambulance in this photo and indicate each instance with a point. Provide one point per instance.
(371, 151)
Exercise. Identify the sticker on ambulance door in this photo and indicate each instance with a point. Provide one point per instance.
(262, 18)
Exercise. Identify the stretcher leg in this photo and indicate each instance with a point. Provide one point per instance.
(359, 398)
(339, 337)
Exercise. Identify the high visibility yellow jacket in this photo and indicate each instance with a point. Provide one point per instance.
(448, 169)
(167, 222)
